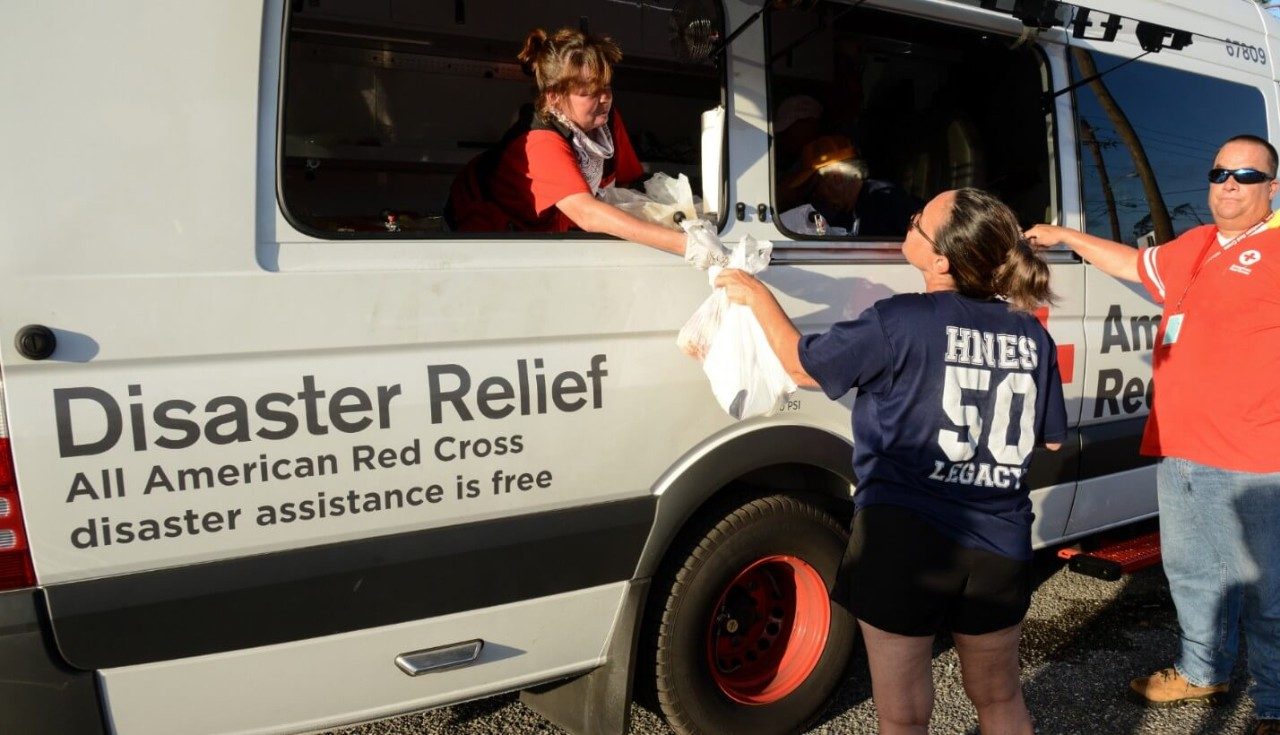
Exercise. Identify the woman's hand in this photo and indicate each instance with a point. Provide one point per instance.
(741, 287)
(744, 288)
(702, 248)
(592, 215)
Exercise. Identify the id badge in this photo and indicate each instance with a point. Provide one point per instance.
(1171, 329)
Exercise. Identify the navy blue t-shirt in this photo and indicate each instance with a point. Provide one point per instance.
(953, 394)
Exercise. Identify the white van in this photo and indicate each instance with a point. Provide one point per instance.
(279, 452)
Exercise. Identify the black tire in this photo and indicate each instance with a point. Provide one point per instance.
(688, 626)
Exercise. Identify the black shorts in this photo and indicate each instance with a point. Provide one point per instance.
(902, 575)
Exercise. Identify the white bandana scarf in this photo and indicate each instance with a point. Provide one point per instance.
(592, 148)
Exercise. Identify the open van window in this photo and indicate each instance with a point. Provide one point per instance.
(385, 103)
(918, 106)
(1144, 151)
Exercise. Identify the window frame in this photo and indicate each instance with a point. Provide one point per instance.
(304, 228)
(1114, 56)
(976, 21)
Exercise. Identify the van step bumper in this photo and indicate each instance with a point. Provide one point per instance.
(1113, 559)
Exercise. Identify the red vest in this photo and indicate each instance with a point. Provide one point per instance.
(516, 185)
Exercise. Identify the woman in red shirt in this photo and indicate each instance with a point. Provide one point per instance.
(544, 175)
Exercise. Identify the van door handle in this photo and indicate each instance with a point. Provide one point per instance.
(35, 342)
(451, 656)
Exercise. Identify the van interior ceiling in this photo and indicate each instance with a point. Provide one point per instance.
(386, 102)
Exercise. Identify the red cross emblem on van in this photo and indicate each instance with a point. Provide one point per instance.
(1066, 353)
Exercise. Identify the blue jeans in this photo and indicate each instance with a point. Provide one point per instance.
(1220, 540)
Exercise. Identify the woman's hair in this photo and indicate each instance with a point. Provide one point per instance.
(988, 254)
(567, 60)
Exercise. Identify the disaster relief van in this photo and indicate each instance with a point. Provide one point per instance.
(279, 451)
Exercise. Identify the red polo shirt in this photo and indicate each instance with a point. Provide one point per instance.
(1217, 387)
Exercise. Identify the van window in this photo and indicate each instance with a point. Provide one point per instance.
(385, 102)
(919, 107)
(1145, 152)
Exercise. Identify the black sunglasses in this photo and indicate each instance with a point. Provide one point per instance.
(1242, 175)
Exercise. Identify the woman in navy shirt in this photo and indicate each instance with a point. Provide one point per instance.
(955, 387)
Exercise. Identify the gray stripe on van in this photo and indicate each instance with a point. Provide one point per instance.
(292, 595)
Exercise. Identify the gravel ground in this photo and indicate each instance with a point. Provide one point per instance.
(1083, 640)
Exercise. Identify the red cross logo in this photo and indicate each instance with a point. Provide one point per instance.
(1066, 353)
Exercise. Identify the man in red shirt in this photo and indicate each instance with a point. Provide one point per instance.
(1215, 421)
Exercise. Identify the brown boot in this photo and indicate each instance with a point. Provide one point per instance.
(1168, 688)
(1267, 727)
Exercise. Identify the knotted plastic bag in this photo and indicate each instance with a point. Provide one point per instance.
(702, 246)
(746, 378)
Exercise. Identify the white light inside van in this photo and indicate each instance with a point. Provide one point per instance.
(8, 539)
(5, 508)
(712, 150)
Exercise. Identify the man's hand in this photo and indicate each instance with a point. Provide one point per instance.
(1046, 236)
(1112, 258)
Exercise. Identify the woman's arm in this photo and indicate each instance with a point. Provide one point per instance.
(593, 215)
(1112, 258)
(784, 338)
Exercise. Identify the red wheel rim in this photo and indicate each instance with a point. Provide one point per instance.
(768, 630)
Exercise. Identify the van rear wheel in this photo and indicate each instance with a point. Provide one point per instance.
(744, 634)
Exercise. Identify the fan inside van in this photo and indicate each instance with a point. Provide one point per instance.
(695, 25)
(695, 28)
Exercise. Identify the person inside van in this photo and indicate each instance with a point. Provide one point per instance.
(955, 387)
(797, 121)
(545, 173)
(841, 198)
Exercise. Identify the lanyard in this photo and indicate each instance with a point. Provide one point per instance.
(1202, 261)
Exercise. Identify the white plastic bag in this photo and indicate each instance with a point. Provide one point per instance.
(702, 246)
(747, 379)
(663, 196)
(696, 335)
(673, 192)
